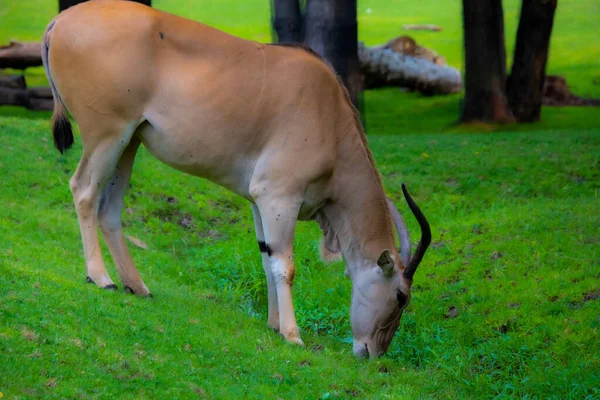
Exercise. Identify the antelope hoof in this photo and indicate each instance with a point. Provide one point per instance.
(131, 291)
(293, 337)
(274, 325)
(295, 340)
(110, 286)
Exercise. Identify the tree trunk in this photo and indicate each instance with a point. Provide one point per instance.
(526, 82)
(287, 21)
(485, 63)
(64, 4)
(331, 29)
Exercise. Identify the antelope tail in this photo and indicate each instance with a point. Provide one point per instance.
(61, 126)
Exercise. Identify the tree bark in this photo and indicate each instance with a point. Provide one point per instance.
(287, 21)
(485, 63)
(64, 4)
(331, 29)
(526, 82)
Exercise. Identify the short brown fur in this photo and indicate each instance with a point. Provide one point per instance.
(273, 124)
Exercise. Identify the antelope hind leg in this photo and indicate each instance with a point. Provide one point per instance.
(83, 199)
(109, 219)
(101, 152)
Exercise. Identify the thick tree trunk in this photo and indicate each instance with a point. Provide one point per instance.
(331, 29)
(287, 21)
(64, 4)
(485, 63)
(526, 82)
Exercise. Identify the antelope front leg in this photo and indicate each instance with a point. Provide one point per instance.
(273, 313)
(279, 223)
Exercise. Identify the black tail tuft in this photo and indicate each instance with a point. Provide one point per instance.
(63, 132)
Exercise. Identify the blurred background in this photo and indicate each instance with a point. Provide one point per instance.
(409, 66)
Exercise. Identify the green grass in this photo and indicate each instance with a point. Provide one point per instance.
(516, 250)
(527, 323)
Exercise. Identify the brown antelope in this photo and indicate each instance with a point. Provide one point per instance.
(270, 123)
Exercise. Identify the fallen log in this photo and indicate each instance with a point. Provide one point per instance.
(36, 99)
(381, 66)
(12, 81)
(21, 55)
(40, 92)
(421, 27)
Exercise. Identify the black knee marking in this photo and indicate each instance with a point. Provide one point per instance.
(264, 248)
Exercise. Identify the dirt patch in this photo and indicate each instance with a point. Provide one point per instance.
(186, 221)
(214, 234)
(593, 295)
(508, 326)
(317, 347)
(452, 312)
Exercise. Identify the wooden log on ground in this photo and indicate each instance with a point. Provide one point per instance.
(421, 27)
(40, 104)
(40, 92)
(37, 99)
(21, 55)
(12, 81)
(383, 67)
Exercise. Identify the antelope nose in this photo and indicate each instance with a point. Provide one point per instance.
(360, 349)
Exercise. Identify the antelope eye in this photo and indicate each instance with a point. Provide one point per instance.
(402, 298)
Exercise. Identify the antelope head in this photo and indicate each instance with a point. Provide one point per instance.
(381, 293)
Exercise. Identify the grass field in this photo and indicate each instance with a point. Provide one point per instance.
(516, 251)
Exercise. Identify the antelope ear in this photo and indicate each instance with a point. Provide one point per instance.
(386, 263)
(330, 246)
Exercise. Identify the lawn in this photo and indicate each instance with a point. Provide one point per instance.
(506, 303)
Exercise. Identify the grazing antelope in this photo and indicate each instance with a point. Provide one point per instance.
(270, 123)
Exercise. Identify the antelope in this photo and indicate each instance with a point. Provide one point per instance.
(271, 123)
